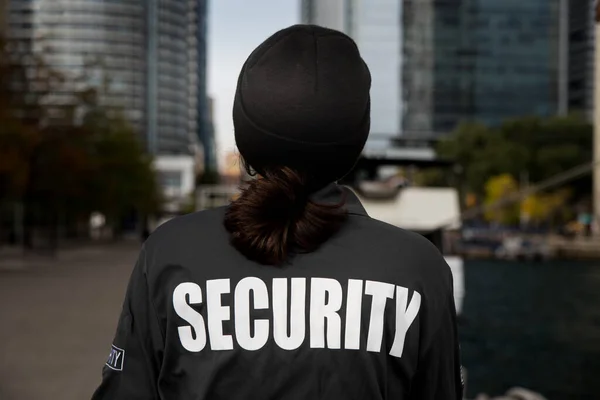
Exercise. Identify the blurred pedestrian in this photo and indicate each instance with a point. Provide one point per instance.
(292, 291)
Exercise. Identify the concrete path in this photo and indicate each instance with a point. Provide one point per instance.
(57, 320)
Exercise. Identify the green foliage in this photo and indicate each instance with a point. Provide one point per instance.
(482, 153)
(540, 147)
(545, 207)
(552, 145)
(69, 167)
(433, 177)
(123, 174)
(58, 169)
(498, 188)
(17, 143)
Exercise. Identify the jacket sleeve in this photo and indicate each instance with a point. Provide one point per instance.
(439, 373)
(134, 360)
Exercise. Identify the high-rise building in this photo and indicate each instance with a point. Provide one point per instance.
(479, 60)
(206, 131)
(440, 62)
(172, 75)
(147, 56)
(150, 53)
(88, 43)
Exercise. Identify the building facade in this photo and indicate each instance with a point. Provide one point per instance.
(447, 61)
(90, 44)
(205, 120)
(150, 54)
(147, 57)
(485, 60)
(171, 86)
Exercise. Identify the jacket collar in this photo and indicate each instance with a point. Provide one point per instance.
(336, 194)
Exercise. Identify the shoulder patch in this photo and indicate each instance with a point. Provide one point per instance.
(116, 358)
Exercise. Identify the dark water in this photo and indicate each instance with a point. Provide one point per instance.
(534, 325)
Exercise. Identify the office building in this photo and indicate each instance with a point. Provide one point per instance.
(480, 60)
(148, 57)
(441, 62)
(172, 75)
(206, 132)
(89, 43)
(152, 54)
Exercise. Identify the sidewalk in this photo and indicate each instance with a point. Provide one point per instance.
(58, 317)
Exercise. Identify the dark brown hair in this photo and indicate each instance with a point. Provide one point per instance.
(274, 217)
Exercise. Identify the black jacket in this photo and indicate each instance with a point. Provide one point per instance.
(372, 317)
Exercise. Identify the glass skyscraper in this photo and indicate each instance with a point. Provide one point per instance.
(171, 55)
(479, 60)
(457, 60)
(151, 55)
(87, 42)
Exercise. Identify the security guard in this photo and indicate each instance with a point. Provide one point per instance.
(292, 291)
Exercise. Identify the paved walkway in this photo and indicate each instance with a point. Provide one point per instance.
(57, 320)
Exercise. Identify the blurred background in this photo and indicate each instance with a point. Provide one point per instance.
(115, 117)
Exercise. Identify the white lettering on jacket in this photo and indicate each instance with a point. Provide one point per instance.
(281, 310)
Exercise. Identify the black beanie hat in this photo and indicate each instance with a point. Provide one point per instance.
(302, 101)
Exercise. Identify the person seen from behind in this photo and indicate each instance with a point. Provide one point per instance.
(292, 291)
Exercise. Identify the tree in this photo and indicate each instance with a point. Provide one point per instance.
(17, 143)
(16, 139)
(123, 178)
(71, 166)
(24, 82)
(540, 147)
(553, 145)
(481, 152)
(499, 188)
(433, 177)
(546, 207)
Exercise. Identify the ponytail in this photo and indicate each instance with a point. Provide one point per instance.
(274, 217)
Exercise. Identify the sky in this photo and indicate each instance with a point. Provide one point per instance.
(235, 28)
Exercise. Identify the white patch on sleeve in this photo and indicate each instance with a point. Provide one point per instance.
(116, 358)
